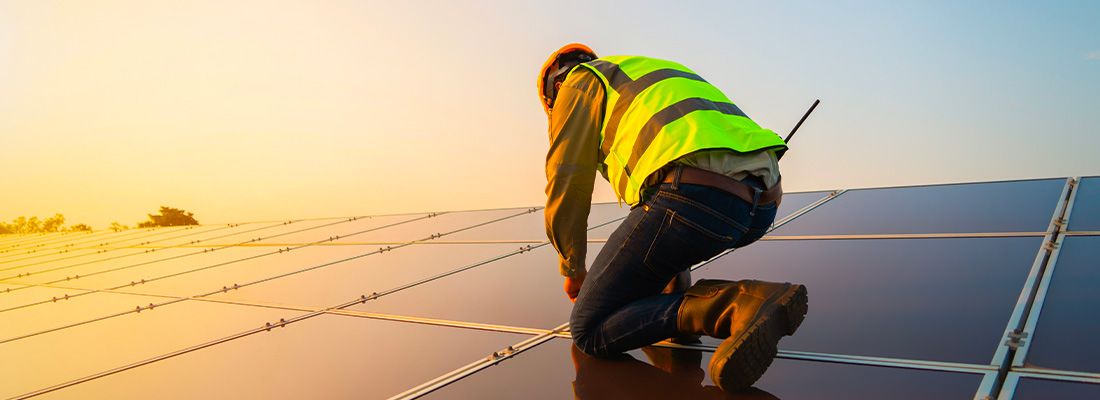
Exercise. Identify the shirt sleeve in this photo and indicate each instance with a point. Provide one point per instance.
(571, 168)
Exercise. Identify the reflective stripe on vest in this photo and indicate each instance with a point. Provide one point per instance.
(658, 111)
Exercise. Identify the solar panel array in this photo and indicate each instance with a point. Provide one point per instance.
(983, 290)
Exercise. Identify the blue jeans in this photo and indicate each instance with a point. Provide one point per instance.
(620, 306)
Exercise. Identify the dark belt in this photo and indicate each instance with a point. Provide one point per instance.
(696, 176)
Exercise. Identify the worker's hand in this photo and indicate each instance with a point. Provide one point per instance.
(573, 287)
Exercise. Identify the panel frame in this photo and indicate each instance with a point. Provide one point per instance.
(1012, 379)
(992, 384)
(1032, 322)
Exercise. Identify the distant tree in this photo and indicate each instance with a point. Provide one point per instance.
(56, 223)
(117, 227)
(169, 217)
(80, 228)
(26, 225)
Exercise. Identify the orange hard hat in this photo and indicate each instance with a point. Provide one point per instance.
(552, 73)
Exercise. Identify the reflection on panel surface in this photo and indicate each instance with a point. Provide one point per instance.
(533, 226)
(323, 357)
(1086, 209)
(796, 201)
(555, 370)
(64, 312)
(40, 361)
(83, 261)
(934, 299)
(91, 266)
(522, 290)
(237, 266)
(1065, 337)
(1021, 206)
(340, 283)
(441, 223)
(46, 243)
(12, 295)
(1036, 389)
(344, 227)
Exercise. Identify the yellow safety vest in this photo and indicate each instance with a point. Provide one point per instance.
(658, 111)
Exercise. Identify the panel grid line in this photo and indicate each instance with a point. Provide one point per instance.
(873, 236)
(54, 269)
(108, 239)
(40, 262)
(784, 354)
(282, 322)
(216, 265)
(237, 286)
(45, 240)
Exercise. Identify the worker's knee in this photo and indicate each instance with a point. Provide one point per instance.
(578, 328)
(589, 346)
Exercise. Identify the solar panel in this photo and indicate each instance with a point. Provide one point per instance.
(530, 227)
(1086, 212)
(522, 290)
(1030, 388)
(884, 297)
(1065, 337)
(345, 281)
(44, 360)
(555, 371)
(325, 357)
(945, 291)
(983, 207)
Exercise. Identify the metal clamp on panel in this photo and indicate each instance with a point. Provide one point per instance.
(1016, 339)
(501, 354)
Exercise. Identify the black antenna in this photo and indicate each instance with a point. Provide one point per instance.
(807, 114)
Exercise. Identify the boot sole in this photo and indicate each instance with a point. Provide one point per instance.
(740, 361)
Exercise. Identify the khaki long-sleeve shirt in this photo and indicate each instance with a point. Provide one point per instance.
(574, 158)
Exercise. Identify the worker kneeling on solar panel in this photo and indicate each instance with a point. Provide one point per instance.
(700, 178)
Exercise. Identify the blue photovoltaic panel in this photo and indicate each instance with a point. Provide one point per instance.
(796, 201)
(555, 370)
(323, 357)
(884, 297)
(1018, 206)
(1041, 389)
(1086, 208)
(523, 290)
(791, 203)
(1065, 337)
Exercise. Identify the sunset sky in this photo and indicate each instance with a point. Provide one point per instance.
(260, 110)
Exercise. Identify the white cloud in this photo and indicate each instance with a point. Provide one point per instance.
(1093, 55)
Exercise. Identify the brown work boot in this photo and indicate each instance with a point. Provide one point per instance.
(679, 284)
(751, 316)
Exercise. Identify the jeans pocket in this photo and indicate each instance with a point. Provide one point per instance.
(681, 243)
